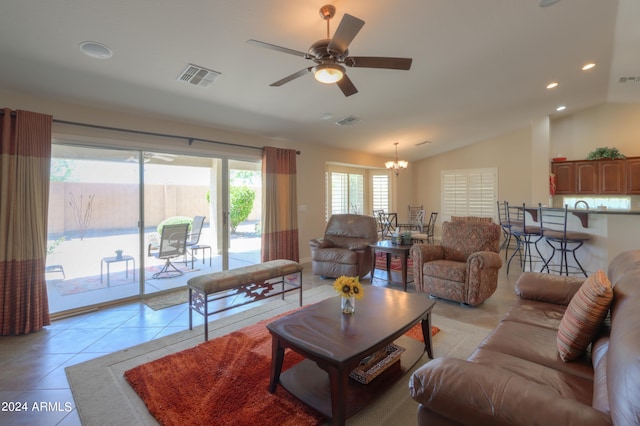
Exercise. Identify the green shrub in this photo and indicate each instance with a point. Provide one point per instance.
(174, 220)
(241, 203)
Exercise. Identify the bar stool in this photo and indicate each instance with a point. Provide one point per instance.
(554, 230)
(525, 235)
(503, 217)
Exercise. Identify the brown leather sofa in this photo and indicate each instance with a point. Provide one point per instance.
(344, 249)
(516, 377)
(464, 266)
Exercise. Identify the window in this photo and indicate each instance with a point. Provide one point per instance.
(356, 190)
(470, 192)
(380, 192)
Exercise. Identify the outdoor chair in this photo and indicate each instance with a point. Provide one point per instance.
(193, 241)
(173, 243)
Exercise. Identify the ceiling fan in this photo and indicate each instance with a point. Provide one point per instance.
(330, 55)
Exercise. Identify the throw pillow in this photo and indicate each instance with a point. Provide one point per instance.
(584, 316)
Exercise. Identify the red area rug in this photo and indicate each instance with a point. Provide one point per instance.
(224, 382)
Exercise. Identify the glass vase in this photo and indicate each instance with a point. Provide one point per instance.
(348, 305)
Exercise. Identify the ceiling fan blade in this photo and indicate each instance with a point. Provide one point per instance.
(291, 77)
(378, 62)
(277, 48)
(344, 35)
(347, 86)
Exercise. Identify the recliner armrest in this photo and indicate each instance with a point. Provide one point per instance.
(320, 243)
(421, 253)
(548, 288)
(485, 259)
(358, 245)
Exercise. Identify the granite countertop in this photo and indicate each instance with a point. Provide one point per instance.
(606, 211)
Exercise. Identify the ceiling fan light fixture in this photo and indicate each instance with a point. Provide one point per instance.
(328, 73)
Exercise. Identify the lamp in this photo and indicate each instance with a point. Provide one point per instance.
(328, 73)
(396, 166)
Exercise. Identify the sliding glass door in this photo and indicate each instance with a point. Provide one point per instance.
(93, 250)
(100, 250)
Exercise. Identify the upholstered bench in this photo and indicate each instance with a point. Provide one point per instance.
(253, 282)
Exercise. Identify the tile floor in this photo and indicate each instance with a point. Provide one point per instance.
(32, 376)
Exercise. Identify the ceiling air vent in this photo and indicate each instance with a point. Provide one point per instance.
(629, 80)
(348, 121)
(198, 76)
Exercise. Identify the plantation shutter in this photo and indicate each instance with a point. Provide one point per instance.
(380, 192)
(470, 192)
(339, 193)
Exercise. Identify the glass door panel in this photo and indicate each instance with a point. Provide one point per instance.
(179, 189)
(93, 235)
(98, 251)
(245, 210)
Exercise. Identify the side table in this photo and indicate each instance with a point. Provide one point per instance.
(402, 250)
(115, 259)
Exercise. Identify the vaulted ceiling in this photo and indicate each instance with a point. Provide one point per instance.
(479, 67)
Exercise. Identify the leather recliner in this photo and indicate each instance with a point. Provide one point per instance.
(344, 249)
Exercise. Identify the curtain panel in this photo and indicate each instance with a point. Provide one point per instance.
(25, 161)
(280, 205)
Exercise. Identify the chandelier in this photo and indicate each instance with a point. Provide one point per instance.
(396, 166)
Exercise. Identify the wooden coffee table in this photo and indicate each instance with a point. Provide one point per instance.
(334, 344)
(402, 250)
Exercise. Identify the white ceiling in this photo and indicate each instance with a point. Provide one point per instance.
(479, 67)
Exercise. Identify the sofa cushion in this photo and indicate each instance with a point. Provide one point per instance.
(584, 316)
(562, 383)
(537, 313)
(535, 344)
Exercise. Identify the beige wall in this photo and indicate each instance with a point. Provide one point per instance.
(310, 164)
(522, 156)
(522, 176)
(510, 154)
(612, 125)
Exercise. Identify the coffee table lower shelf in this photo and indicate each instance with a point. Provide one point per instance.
(310, 384)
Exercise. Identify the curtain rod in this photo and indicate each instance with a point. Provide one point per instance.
(142, 132)
(164, 135)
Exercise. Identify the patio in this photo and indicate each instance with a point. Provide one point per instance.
(85, 285)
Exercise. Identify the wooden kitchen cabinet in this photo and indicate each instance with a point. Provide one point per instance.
(633, 175)
(586, 177)
(611, 177)
(565, 177)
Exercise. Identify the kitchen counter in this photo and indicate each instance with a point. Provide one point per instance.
(612, 231)
(583, 214)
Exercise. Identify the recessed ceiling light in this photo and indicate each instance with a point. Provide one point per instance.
(552, 85)
(326, 116)
(561, 108)
(96, 50)
(588, 66)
